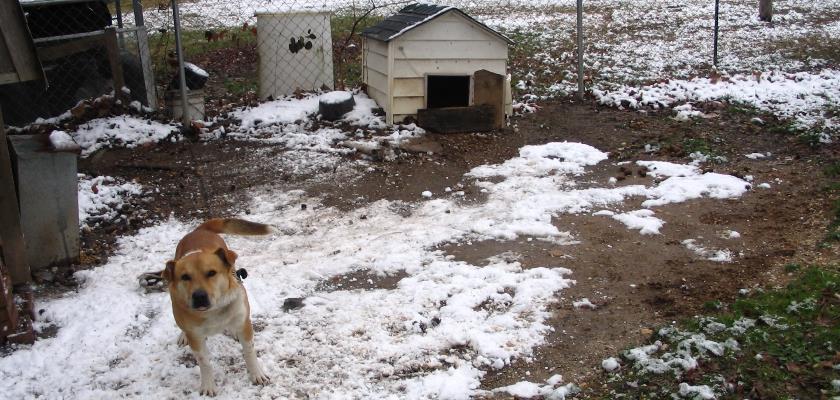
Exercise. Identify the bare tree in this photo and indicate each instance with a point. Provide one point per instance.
(347, 51)
(765, 10)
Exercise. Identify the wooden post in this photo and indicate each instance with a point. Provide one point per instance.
(113, 48)
(182, 76)
(765, 10)
(14, 249)
(580, 47)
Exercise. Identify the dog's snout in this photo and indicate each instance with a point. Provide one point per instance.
(200, 299)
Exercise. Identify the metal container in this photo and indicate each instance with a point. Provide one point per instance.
(47, 186)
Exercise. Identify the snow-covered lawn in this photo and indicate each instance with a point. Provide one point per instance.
(651, 54)
(432, 336)
(806, 98)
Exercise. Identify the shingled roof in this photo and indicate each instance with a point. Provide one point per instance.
(414, 15)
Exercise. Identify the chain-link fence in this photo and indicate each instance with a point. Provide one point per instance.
(86, 51)
(256, 49)
(259, 49)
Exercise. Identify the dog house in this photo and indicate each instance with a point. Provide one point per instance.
(434, 63)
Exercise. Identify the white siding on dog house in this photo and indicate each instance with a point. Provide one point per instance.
(376, 71)
(450, 43)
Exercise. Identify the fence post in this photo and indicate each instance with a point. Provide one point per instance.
(113, 48)
(145, 55)
(765, 10)
(185, 114)
(715, 57)
(118, 11)
(580, 47)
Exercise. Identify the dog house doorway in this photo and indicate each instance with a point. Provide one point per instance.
(447, 91)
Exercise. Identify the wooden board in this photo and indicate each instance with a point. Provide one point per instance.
(376, 61)
(408, 105)
(489, 90)
(378, 80)
(420, 68)
(14, 251)
(456, 119)
(17, 47)
(409, 87)
(451, 50)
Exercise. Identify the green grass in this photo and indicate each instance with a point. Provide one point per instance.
(704, 146)
(790, 352)
(832, 171)
(809, 47)
(741, 108)
(240, 86)
(348, 61)
(792, 267)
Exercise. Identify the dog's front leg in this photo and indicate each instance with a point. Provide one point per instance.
(202, 356)
(255, 371)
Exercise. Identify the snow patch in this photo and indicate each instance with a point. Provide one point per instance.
(722, 256)
(102, 197)
(61, 141)
(121, 130)
(610, 364)
(643, 220)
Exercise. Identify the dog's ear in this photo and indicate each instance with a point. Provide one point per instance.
(228, 256)
(169, 272)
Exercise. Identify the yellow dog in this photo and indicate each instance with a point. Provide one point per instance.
(208, 298)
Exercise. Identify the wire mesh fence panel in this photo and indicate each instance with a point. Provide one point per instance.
(85, 53)
(255, 49)
(259, 49)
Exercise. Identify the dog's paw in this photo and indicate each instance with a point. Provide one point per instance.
(182, 340)
(260, 378)
(208, 390)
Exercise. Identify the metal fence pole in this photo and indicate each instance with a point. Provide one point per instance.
(145, 54)
(185, 109)
(715, 58)
(118, 11)
(580, 47)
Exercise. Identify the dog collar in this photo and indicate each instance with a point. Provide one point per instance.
(191, 252)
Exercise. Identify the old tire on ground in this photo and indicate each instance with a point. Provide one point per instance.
(333, 105)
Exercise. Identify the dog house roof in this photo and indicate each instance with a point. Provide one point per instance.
(414, 15)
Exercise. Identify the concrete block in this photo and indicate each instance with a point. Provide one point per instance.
(47, 186)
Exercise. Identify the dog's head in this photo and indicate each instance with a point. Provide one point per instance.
(200, 281)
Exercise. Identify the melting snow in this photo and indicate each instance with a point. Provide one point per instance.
(723, 256)
(102, 197)
(122, 130)
(643, 220)
(433, 335)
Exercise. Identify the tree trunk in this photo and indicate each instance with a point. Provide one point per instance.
(765, 10)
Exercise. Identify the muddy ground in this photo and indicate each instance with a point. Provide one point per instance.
(637, 282)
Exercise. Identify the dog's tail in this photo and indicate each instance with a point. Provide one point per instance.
(235, 226)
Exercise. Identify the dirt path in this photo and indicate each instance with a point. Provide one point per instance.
(636, 282)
